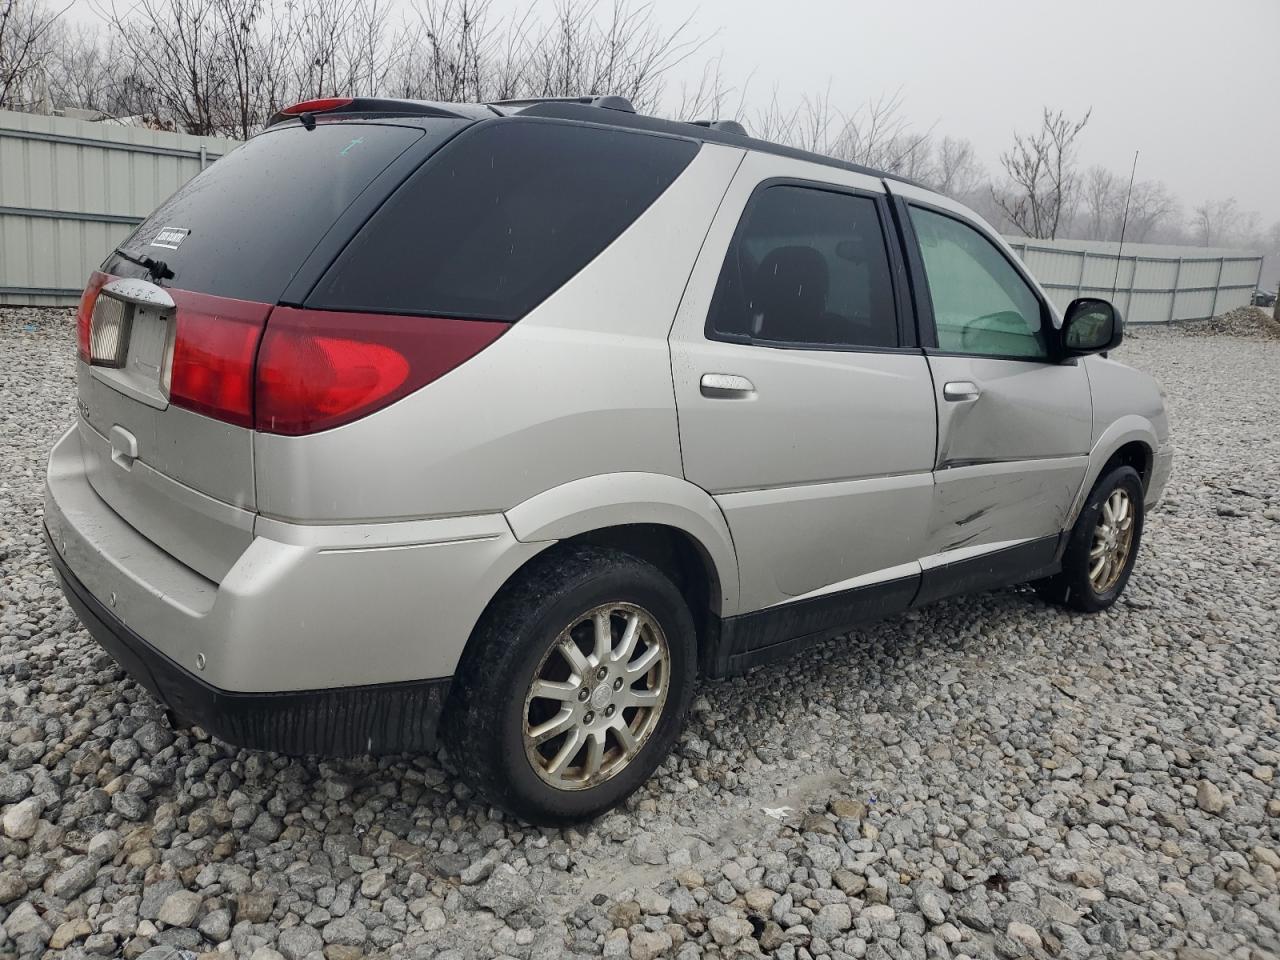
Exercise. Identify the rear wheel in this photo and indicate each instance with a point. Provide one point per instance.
(574, 687)
(1102, 547)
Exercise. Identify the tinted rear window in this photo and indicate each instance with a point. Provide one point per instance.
(500, 218)
(807, 266)
(253, 216)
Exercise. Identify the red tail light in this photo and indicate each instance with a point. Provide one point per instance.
(317, 106)
(214, 347)
(320, 369)
(84, 315)
(303, 371)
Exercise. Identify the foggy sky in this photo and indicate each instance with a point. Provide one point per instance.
(1193, 85)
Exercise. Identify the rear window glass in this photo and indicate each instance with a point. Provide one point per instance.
(500, 218)
(243, 227)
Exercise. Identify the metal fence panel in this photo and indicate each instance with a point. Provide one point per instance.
(1240, 273)
(1152, 283)
(70, 190)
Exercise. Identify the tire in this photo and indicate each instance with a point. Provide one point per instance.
(493, 704)
(1073, 587)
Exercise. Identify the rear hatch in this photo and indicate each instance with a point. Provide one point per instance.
(170, 327)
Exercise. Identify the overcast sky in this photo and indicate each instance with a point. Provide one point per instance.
(1192, 84)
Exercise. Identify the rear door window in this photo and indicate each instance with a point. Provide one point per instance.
(243, 227)
(807, 267)
(500, 218)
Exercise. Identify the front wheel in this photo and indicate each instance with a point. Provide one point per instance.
(1102, 546)
(574, 687)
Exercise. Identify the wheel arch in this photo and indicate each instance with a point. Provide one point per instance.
(662, 519)
(1130, 440)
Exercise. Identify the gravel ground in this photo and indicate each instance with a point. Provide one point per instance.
(1240, 322)
(987, 777)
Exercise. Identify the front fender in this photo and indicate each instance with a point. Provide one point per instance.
(1125, 429)
(618, 499)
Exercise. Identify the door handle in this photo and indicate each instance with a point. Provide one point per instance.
(727, 386)
(961, 391)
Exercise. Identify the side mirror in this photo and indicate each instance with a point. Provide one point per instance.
(1091, 326)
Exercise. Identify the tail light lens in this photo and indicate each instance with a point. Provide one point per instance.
(108, 332)
(84, 315)
(321, 369)
(302, 372)
(215, 343)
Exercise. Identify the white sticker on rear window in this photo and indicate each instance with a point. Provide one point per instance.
(170, 237)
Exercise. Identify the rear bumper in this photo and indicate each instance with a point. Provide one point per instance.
(325, 638)
(346, 721)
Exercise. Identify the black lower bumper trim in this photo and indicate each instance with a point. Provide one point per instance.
(338, 722)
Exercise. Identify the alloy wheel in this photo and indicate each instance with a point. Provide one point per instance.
(1112, 541)
(596, 696)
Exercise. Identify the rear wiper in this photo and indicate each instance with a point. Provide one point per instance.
(157, 269)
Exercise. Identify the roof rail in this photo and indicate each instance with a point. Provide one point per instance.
(724, 126)
(607, 102)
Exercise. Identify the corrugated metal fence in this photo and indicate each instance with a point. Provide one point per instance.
(1153, 283)
(70, 190)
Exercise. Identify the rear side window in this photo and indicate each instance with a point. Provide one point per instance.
(500, 218)
(243, 227)
(807, 266)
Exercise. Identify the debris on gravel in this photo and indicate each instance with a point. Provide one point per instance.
(987, 777)
(1253, 322)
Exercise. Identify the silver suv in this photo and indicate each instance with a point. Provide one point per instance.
(516, 419)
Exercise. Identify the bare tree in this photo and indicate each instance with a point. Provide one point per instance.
(956, 171)
(911, 155)
(241, 50)
(1103, 198)
(330, 38)
(177, 64)
(774, 122)
(25, 28)
(456, 52)
(226, 66)
(1109, 208)
(876, 134)
(624, 52)
(1152, 208)
(85, 71)
(1042, 176)
(710, 98)
(1215, 222)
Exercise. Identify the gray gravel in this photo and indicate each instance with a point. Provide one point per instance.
(985, 778)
